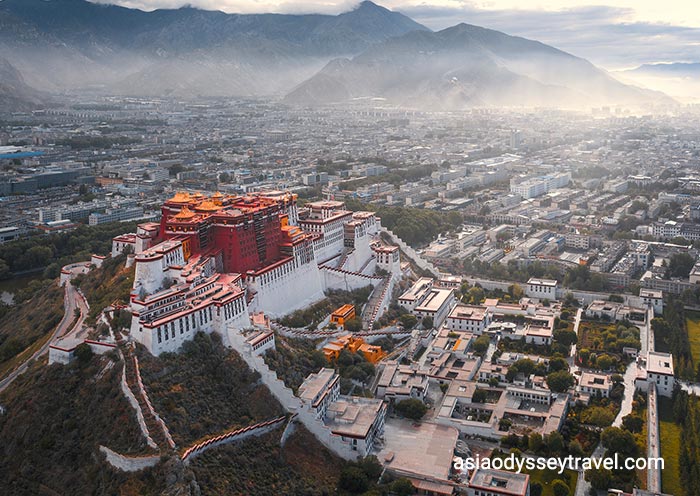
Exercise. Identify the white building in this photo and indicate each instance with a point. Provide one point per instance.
(474, 319)
(653, 298)
(416, 293)
(659, 371)
(595, 384)
(542, 288)
(436, 304)
(354, 422)
(498, 483)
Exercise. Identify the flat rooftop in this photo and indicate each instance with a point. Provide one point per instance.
(435, 300)
(468, 312)
(315, 384)
(659, 363)
(353, 416)
(417, 289)
(500, 481)
(542, 282)
(424, 449)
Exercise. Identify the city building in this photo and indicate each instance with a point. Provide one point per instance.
(472, 318)
(354, 422)
(658, 371)
(654, 299)
(498, 483)
(594, 385)
(541, 288)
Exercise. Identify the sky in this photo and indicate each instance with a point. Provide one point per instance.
(618, 35)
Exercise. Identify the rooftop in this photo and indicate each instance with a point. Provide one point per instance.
(423, 449)
(659, 363)
(435, 300)
(316, 384)
(353, 416)
(500, 481)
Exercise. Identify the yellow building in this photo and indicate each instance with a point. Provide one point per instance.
(372, 353)
(343, 314)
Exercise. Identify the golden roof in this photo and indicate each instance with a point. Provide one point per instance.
(184, 214)
(207, 205)
(181, 196)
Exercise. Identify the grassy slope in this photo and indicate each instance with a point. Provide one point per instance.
(56, 418)
(693, 325)
(110, 283)
(258, 467)
(25, 324)
(670, 437)
(205, 390)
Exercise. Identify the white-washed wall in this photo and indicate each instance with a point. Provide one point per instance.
(135, 405)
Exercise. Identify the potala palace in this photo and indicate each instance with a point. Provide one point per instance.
(213, 261)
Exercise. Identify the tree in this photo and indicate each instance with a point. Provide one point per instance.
(516, 291)
(633, 423)
(555, 442)
(559, 488)
(224, 177)
(479, 396)
(565, 336)
(371, 467)
(575, 448)
(4, 270)
(598, 478)
(504, 424)
(535, 442)
(353, 325)
(680, 265)
(598, 416)
(411, 408)
(619, 441)
(403, 487)
(535, 489)
(604, 362)
(353, 479)
(481, 344)
(560, 381)
(83, 353)
(556, 364)
(476, 295)
(427, 322)
(408, 320)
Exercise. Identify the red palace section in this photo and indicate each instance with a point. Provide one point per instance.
(249, 231)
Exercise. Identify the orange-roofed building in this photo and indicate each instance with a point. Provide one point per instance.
(372, 353)
(343, 314)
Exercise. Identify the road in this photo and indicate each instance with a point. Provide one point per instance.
(571, 359)
(72, 300)
(628, 394)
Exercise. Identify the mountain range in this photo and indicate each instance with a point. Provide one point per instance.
(681, 80)
(76, 45)
(15, 94)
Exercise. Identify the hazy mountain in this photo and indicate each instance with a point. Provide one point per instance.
(15, 94)
(463, 66)
(678, 79)
(671, 69)
(64, 44)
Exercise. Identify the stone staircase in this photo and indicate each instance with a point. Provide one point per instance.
(374, 305)
(154, 425)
